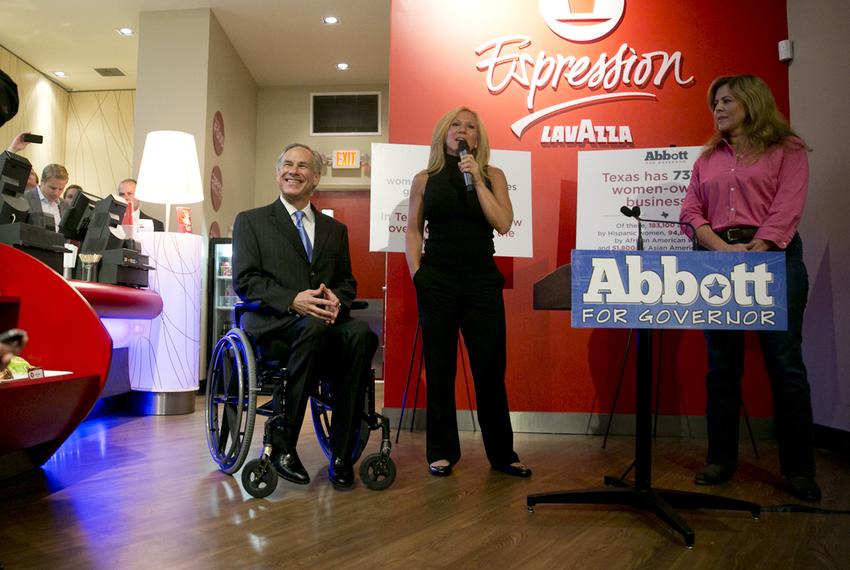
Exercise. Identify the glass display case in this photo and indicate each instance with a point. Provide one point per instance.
(220, 294)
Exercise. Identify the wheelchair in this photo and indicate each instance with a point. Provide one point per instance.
(238, 371)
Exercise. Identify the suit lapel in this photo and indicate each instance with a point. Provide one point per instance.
(284, 224)
(321, 234)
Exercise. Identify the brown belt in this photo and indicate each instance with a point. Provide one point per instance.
(734, 235)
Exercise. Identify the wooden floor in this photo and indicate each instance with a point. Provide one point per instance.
(142, 492)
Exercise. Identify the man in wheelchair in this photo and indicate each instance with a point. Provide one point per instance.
(292, 264)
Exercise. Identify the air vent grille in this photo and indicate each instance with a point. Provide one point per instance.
(110, 71)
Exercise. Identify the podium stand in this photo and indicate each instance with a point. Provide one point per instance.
(641, 494)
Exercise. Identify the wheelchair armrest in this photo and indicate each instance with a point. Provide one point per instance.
(242, 307)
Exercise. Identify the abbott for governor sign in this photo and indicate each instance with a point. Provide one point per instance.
(678, 290)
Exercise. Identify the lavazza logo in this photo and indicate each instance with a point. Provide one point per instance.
(510, 59)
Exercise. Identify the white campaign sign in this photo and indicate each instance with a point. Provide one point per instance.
(393, 169)
(655, 179)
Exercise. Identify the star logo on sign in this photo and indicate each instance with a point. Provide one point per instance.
(715, 288)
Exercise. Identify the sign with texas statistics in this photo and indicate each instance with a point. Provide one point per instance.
(393, 169)
(679, 290)
(652, 179)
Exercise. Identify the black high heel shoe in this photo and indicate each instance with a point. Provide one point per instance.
(440, 470)
(519, 470)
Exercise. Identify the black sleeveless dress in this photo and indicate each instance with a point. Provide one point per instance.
(459, 236)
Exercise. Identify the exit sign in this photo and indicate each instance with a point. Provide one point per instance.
(346, 159)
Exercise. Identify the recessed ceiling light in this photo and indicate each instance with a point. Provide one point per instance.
(126, 32)
(330, 20)
(59, 73)
(342, 66)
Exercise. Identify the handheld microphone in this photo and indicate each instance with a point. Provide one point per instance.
(463, 150)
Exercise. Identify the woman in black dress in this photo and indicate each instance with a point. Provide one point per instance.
(459, 287)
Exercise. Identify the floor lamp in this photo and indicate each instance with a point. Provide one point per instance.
(169, 172)
(165, 367)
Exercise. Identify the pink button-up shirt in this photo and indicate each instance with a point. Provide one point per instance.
(769, 194)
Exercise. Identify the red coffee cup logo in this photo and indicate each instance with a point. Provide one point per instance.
(582, 20)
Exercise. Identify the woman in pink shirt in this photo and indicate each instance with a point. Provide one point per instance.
(747, 193)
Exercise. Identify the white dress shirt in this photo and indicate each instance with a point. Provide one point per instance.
(309, 219)
(48, 208)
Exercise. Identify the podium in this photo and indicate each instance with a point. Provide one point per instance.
(647, 290)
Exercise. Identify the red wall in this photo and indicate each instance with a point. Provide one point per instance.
(352, 208)
(552, 367)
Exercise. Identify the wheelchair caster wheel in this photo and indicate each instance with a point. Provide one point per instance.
(377, 471)
(259, 478)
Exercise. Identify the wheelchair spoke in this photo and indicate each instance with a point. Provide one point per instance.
(223, 431)
(227, 375)
(233, 422)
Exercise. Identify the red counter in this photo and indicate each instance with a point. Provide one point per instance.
(65, 333)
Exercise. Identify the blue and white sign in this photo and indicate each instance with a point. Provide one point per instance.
(679, 290)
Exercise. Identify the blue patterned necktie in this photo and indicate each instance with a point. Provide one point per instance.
(302, 233)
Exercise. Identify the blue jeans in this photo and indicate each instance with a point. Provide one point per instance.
(783, 358)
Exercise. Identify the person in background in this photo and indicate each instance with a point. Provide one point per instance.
(458, 286)
(747, 193)
(12, 342)
(46, 197)
(70, 192)
(127, 190)
(32, 181)
(6, 355)
(9, 100)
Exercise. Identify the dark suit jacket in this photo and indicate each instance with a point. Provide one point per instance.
(270, 265)
(35, 202)
(157, 225)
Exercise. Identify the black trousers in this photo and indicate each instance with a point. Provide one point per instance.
(342, 351)
(783, 358)
(469, 300)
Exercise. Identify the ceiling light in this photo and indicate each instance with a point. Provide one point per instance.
(59, 73)
(342, 66)
(330, 20)
(126, 32)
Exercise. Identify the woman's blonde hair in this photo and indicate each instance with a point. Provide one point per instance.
(437, 158)
(764, 125)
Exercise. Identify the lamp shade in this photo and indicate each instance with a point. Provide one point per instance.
(169, 172)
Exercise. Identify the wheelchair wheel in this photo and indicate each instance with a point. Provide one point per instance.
(322, 418)
(377, 471)
(259, 478)
(231, 401)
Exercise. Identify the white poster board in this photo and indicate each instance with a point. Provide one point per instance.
(655, 179)
(393, 169)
